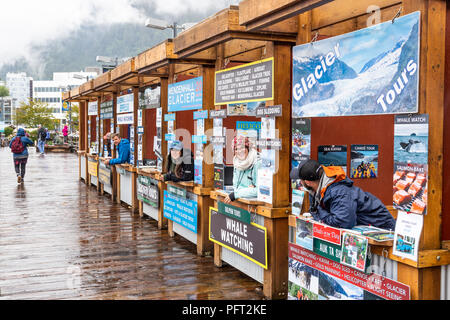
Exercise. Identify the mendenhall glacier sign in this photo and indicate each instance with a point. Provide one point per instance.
(369, 71)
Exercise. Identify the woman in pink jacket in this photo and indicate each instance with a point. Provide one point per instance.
(65, 132)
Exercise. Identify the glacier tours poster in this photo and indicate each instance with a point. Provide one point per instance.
(370, 71)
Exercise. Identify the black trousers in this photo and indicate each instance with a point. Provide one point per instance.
(20, 167)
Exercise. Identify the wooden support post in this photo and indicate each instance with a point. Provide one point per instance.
(114, 194)
(117, 186)
(204, 246)
(425, 283)
(162, 221)
(141, 209)
(276, 275)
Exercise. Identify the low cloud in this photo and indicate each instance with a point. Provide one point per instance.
(27, 23)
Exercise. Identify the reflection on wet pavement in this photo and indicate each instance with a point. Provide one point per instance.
(60, 240)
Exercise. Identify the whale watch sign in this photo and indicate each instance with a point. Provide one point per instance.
(370, 71)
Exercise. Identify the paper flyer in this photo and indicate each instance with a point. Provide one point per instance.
(354, 251)
(333, 156)
(304, 234)
(364, 161)
(217, 127)
(265, 185)
(410, 181)
(301, 139)
(407, 235)
(244, 109)
(268, 128)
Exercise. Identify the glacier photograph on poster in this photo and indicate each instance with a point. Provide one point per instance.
(370, 71)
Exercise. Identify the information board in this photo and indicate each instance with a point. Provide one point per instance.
(246, 83)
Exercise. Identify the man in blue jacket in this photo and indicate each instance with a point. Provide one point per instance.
(19, 149)
(335, 201)
(123, 148)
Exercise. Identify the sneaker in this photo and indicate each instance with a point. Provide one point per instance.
(19, 179)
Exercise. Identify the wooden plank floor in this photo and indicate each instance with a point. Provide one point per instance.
(60, 240)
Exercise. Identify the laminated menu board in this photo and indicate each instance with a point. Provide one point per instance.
(410, 181)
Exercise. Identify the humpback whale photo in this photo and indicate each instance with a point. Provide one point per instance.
(407, 146)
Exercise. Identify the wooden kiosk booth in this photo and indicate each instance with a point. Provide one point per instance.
(152, 147)
(107, 91)
(423, 273)
(181, 206)
(240, 58)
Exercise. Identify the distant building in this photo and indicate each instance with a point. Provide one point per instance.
(7, 110)
(50, 91)
(20, 86)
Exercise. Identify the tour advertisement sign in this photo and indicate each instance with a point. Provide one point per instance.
(245, 83)
(218, 176)
(333, 156)
(104, 174)
(234, 212)
(301, 139)
(186, 95)
(312, 276)
(92, 108)
(247, 240)
(363, 161)
(125, 103)
(369, 71)
(182, 211)
(150, 98)
(106, 110)
(327, 233)
(411, 163)
(147, 191)
(92, 167)
(125, 118)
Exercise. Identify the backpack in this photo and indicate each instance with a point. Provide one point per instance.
(17, 146)
(42, 135)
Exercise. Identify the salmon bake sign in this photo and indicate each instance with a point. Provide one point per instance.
(370, 71)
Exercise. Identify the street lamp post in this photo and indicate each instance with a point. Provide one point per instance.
(162, 25)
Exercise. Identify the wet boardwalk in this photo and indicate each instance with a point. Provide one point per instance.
(61, 240)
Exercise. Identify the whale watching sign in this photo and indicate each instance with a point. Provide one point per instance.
(370, 71)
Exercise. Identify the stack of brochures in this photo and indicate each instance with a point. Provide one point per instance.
(373, 233)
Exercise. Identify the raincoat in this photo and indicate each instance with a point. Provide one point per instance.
(342, 205)
(25, 141)
(124, 153)
(187, 167)
(243, 179)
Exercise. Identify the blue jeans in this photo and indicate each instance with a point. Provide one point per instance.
(41, 146)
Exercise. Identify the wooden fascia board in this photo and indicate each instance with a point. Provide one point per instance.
(274, 15)
(228, 36)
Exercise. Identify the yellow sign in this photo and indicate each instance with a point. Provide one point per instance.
(93, 168)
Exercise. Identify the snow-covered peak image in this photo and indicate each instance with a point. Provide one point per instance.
(370, 71)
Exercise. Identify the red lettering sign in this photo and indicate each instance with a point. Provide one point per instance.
(327, 233)
(373, 283)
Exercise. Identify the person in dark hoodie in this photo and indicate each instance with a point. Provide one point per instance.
(19, 149)
(123, 148)
(179, 164)
(335, 201)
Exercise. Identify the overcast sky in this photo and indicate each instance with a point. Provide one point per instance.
(24, 22)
